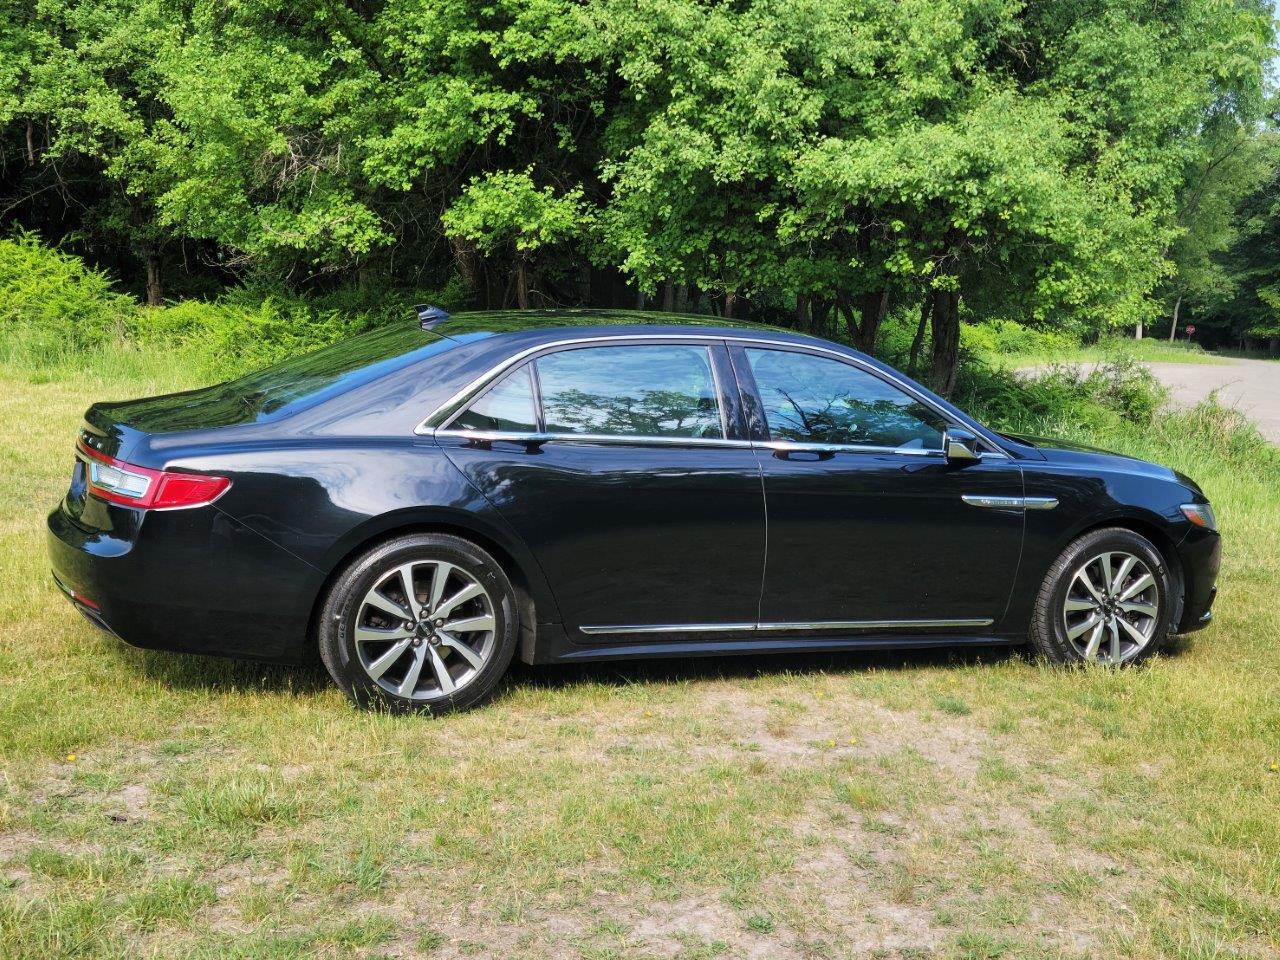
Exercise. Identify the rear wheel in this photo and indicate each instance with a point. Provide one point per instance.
(1106, 599)
(425, 622)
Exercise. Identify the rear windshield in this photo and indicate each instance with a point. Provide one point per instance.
(333, 369)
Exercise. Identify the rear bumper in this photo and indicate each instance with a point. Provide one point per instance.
(191, 581)
(1201, 556)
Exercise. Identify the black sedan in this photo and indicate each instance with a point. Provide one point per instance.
(419, 504)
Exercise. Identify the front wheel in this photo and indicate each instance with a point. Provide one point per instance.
(426, 622)
(1106, 599)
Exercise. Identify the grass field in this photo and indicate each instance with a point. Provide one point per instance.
(967, 806)
(1148, 350)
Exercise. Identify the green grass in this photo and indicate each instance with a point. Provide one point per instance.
(1147, 350)
(920, 805)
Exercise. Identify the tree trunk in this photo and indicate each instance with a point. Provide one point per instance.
(669, 296)
(31, 144)
(522, 283)
(946, 341)
(819, 311)
(730, 300)
(874, 307)
(1137, 331)
(465, 261)
(802, 318)
(1173, 329)
(155, 288)
(926, 307)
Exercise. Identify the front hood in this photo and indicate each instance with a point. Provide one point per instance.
(1069, 452)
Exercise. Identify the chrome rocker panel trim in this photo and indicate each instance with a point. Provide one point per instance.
(823, 625)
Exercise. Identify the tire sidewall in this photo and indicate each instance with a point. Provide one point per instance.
(337, 628)
(1049, 625)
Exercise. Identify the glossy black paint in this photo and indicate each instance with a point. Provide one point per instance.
(324, 461)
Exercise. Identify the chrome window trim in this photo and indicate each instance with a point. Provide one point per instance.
(462, 398)
(461, 401)
(492, 385)
(762, 627)
(488, 436)
(801, 445)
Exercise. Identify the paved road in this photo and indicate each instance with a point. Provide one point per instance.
(1251, 385)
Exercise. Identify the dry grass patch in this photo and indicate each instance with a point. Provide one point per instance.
(908, 806)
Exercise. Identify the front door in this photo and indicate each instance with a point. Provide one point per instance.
(868, 525)
(621, 466)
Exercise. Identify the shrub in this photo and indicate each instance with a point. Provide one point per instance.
(52, 304)
(55, 310)
(1063, 399)
(999, 336)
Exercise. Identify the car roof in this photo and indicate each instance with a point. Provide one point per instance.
(470, 324)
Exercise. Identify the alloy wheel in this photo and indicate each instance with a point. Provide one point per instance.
(1112, 607)
(425, 629)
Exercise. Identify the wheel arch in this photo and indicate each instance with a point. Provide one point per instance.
(533, 593)
(1150, 529)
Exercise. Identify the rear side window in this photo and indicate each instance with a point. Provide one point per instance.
(506, 406)
(813, 399)
(658, 390)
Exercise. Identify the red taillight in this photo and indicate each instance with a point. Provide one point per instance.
(132, 486)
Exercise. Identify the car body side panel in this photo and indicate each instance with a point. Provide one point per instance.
(322, 500)
(861, 536)
(631, 534)
(196, 581)
(1089, 495)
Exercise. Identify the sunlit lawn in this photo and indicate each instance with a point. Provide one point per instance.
(913, 806)
(1148, 350)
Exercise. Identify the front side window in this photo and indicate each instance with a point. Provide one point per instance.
(658, 390)
(812, 399)
(507, 406)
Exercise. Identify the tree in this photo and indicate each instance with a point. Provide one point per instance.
(505, 210)
(826, 162)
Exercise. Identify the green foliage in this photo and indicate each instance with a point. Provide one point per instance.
(1000, 336)
(821, 159)
(506, 209)
(55, 310)
(54, 303)
(1062, 401)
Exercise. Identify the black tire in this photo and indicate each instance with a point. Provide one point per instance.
(1048, 636)
(346, 598)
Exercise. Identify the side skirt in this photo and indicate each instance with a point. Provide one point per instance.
(554, 647)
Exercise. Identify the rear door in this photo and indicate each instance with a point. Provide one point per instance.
(869, 526)
(624, 466)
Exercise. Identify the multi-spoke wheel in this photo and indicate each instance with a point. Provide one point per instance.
(423, 622)
(1105, 600)
(1112, 607)
(425, 629)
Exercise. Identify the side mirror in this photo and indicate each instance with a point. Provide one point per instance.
(959, 445)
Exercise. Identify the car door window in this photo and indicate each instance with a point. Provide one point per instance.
(813, 399)
(506, 406)
(646, 390)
